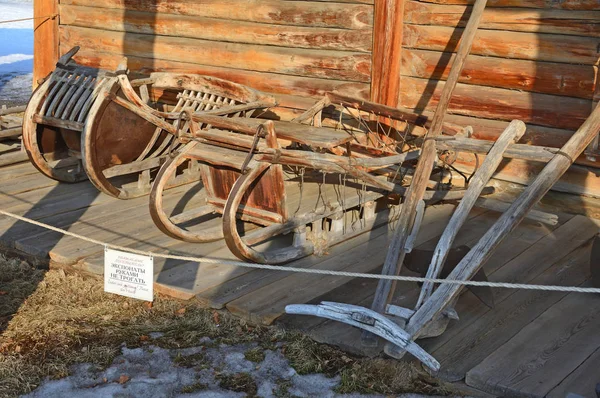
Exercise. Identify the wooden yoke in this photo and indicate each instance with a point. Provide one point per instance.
(395, 256)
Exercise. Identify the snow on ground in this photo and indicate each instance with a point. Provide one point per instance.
(10, 10)
(16, 52)
(191, 372)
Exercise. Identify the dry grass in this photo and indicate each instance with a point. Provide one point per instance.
(52, 320)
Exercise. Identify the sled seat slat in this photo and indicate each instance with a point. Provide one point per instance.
(302, 134)
(55, 122)
(218, 156)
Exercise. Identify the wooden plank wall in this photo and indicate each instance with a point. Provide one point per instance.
(45, 39)
(292, 48)
(534, 60)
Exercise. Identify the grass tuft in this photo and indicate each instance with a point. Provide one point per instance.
(239, 382)
(256, 355)
(191, 388)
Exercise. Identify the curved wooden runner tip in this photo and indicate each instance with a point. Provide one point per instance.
(368, 320)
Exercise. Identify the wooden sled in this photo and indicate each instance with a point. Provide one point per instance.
(334, 172)
(55, 117)
(88, 122)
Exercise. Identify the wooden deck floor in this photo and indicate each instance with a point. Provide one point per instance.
(531, 344)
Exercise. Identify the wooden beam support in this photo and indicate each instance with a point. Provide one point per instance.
(45, 38)
(387, 46)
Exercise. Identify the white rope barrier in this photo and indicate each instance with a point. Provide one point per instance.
(208, 260)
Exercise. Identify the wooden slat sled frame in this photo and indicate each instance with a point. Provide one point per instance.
(113, 130)
(338, 135)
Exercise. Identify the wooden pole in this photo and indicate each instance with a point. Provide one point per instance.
(387, 47)
(395, 255)
(512, 134)
(45, 38)
(488, 243)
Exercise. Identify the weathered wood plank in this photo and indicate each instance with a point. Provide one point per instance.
(491, 102)
(577, 180)
(216, 29)
(304, 62)
(45, 38)
(578, 23)
(488, 129)
(581, 381)
(492, 330)
(264, 305)
(551, 4)
(540, 77)
(268, 82)
(518, 45)
(387, 48)
(469, 307)
(512, 134)
(544, 352)
(300, 13)
(478, 255)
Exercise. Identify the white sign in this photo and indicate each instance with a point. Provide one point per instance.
(128, 274)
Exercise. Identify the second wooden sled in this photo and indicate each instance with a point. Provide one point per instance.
(85, 122)
(304, 185)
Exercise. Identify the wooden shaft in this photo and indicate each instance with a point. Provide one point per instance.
(395, 255)
(514, 151)
(513, 133)
(486, 246)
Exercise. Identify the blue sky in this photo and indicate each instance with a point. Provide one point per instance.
(16, 41)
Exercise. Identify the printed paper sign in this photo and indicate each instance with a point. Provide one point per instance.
(128, 274)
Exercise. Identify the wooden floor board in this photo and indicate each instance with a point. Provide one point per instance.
(545, 352)
(526, 240)
(264, 305)
(583, 381)
(497, 326)
(15, 171)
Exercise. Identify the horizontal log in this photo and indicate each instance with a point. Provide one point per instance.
(486, 129)
(13, 157)
(216, 29)
(517, 45)
(541, 77)
(566, 22)
(546, 4)
(300, 13)
(577, 180)
(11, 133)
(12, 109)
(513, 151)
(267, 82)
(302, 62)
(496, 103)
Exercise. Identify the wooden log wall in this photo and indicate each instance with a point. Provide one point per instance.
(534, 60)
(294, 49)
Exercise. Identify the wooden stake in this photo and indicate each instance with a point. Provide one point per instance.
(395, 256)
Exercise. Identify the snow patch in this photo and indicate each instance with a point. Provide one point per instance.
(12, 58)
